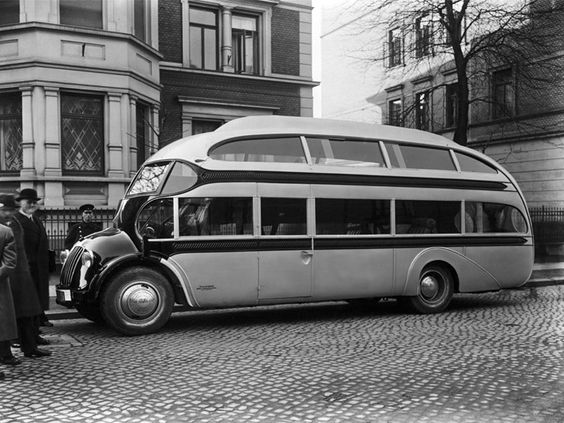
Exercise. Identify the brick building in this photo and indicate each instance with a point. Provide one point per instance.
(90, 88)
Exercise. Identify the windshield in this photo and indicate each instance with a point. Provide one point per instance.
(148, 179)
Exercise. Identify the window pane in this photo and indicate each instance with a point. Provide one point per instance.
(215, 216)
(394, 113)
(202, 16)
(415, 157)
(196, 57)
(493, 217)
(82, 134)
(470, 164)
(86, 13)
(156, 219)
(283, 216)
(210, 49)
(11, 132)
(140, 15)
(9, 12)
(181, 178)
(247, 23)
(286, 150)
(352, 217)
(345, 152)
(427, 217)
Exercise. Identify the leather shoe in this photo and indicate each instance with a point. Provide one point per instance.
(37, 353)
(42, 341)
(46, 323)
(10, 361)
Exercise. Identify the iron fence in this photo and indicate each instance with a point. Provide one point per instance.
(58, 222)
(548, 226)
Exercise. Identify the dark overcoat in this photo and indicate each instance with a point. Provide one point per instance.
(36, 246)
(24, 293)
(8, 326)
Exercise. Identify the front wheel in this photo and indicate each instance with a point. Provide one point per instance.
(137, 301)
(434, 291)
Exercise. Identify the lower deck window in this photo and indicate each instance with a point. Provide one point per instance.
(493, 217)
(352, 216)
(427, 217)
(215, 216)
(283, 216)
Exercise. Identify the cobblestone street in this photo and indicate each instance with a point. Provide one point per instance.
(495, 357)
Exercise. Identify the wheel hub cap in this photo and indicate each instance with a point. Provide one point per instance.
(429, 287)
(139, 301)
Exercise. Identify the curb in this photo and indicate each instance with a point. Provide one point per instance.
(71, 313)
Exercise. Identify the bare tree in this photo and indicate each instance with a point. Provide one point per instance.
(473, 36)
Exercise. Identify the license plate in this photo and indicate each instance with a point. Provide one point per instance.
(64, 295)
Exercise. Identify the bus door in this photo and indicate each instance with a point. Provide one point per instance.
(285, 249)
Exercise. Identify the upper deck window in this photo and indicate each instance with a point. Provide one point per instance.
(148, 179)
(277, 150)
(470, 164)
(356, 153)
(416, 157)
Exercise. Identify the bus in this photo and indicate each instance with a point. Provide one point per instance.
(274, 209)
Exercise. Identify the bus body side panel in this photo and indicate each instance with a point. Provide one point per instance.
(221, 279)
(284, 274)
(352, 273)
(411, 261)
(511, 266)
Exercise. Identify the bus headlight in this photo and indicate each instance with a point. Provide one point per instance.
(87, 259)
(63, 256)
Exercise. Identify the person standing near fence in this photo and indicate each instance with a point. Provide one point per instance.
(83, 228)
(8, 259)
(36, 246)
(26, 303)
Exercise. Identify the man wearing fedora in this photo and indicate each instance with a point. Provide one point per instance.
(83, 228)
(8, 326)
(24, 294)
(36, 246)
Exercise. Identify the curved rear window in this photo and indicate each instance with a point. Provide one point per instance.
(471, 164)
(271, 150)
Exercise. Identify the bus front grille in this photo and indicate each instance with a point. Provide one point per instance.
(71, 267)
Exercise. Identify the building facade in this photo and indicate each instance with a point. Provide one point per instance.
(90, 88)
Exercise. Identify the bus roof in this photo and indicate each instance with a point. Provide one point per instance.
(197, 146)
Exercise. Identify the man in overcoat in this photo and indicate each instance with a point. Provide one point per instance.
(24, 293)
(8, 327)
(36, 246)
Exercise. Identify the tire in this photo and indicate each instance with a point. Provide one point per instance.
(90, 312)
(137, 301)
(435, 290)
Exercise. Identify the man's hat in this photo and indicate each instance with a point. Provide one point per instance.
(28, 194)
(85, 207)
(7, 202)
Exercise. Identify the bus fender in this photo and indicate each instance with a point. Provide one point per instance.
(468, 275)
(138, 259)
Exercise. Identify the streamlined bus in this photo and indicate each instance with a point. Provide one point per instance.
(271, 210)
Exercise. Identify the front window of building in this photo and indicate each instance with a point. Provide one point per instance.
(422, 116)
(451, 104)
(245, 44)
(86, 13)
(10, 132)
(503, 94)
(9, 12)
(203, 38)
(423, 36)
(82, 134)
(394, 112)
(395, 52)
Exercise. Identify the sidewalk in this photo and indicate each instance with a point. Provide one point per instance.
(544, 274)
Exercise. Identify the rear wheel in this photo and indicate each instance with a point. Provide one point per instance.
(137, 301)
(435, 290)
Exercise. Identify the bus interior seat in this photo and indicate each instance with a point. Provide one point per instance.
(423, 226)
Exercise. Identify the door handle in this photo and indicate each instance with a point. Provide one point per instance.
(306, 253)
